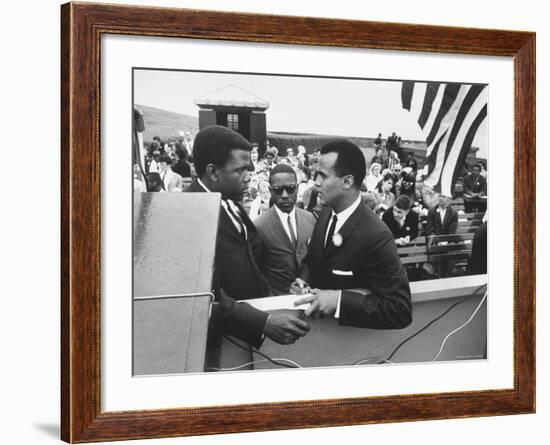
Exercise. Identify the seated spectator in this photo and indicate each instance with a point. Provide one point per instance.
(171, 182)
(254, 159)
(391, 160)
(475, 185)
(373, 178)
(268, 162)
(475, 191)
(154, 163)
(408, 188)
(401, 221)
(443, 219)
(181, 166)
(304, 182)
(154, 183)
(262, 202)
(411, 161)
(483, 168)
(303, 157)
(378, 157)
(383, 196)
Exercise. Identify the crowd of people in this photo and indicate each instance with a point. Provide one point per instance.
(393, 185)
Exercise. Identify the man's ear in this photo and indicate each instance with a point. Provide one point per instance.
(349, 181)
(212, 172)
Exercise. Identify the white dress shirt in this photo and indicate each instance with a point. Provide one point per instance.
(442, 213)
(284, 220)
(343, 216)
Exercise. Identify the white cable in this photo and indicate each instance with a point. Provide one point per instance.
(366, 360)
(460, 327)
(254, 362)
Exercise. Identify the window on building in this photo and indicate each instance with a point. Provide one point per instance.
(233, 121)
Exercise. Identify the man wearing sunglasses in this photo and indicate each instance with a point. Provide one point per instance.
(284, 230)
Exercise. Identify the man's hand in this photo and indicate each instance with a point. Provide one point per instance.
(284, 328)
(299, 287)
(403, 241)
(322, 303)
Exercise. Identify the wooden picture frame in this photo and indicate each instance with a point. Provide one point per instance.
(82, 26)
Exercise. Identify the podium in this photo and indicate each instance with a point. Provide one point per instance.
(174, 241)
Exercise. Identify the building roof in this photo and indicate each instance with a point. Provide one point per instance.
(232, 96)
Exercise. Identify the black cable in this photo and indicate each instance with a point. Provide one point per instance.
(247, 349)
(432, 322)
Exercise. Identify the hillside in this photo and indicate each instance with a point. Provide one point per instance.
(166, 124)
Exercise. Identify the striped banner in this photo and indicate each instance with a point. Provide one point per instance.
(449, 115)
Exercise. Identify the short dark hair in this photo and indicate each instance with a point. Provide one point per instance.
(350, 160)
(153, 180)
(306, 171)
(402, 202)
(182, 154)
(270, 152)
(166, 158)
(385, 178)
(213, 145)
(282, 168)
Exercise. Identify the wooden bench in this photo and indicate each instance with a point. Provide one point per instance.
(455, 248)
(469, 222)
(458, 204)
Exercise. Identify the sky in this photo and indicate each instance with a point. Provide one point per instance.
(334, 106)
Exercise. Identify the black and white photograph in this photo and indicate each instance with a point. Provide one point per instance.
(293, 221)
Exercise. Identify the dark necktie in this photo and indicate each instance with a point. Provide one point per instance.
(291, 230)
(331, 231)
(237, 218)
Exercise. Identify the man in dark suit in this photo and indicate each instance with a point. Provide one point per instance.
(352, 256)
(284, 230)
(475, 191)
(442, 219)
(402, 223)
(222, 161)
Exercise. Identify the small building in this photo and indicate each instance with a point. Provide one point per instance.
(238, 109)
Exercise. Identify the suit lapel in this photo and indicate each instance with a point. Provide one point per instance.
(317, 243)
(300, 227)
(348, 227)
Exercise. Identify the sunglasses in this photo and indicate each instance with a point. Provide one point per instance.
(290, 189)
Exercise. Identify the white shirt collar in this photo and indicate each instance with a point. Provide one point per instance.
(346, 213)
(284, 216)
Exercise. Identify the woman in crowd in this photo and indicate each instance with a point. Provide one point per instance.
(373, 178)
(304, 183)
(261, 203)
(408, 189)
(383, 196)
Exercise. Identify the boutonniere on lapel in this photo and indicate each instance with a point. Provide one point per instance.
(408, 229)
(337, 239)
